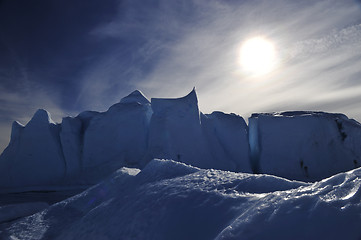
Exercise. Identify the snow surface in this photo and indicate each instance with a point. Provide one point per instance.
(171, 200)
(14, 211)
(305, 146)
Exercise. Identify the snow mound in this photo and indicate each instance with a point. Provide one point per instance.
(170, 200)
(305, 146)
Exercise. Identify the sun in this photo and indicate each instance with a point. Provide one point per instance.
(258, 56)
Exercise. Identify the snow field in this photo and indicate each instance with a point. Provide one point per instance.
(171, 200)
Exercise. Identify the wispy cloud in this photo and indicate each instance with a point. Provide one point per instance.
(165, 48)
(318, 43)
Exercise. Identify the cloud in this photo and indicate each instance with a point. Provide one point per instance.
(165, 48)
(174, 47)
(319, 46)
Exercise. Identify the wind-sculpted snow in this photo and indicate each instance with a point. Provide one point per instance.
(14, 211)
(170, 200)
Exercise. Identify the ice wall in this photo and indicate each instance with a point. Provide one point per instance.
(179, 131)
(116, 138)
(305, 146)
(71, 142)
(84, 149)
(226, 136)
(175, 131)
(34, 156)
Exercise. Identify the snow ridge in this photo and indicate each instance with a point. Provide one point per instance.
(171, 200)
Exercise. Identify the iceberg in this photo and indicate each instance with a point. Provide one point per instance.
(34, 156)
(116, 138)
(83, 150)
(306, 146)
(179, 131)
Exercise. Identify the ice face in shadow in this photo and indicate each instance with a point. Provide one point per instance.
(82, 150)
(86, 148)
(71, 142)
(34, 155)
(135, 97)
(116, 138)
(179, 131)
(175, 131)
(254, 144)
(305, 146)
(227, 140)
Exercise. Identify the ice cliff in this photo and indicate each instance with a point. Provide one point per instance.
(306, 146)
(82, 150)
(179, 131)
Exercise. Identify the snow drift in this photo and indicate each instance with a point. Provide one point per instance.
(170, 200)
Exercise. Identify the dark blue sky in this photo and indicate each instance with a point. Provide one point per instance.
(73, 55)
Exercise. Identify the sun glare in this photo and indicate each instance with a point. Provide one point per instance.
(258, 56)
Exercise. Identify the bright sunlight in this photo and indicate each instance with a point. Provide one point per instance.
(258, 56)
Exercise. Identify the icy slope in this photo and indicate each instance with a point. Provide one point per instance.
(14, 211)
(305, 146)
(170, 200)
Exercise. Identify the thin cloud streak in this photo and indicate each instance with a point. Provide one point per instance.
(165, 48)
(207, 59)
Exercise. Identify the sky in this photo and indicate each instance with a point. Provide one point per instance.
(68, 56)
